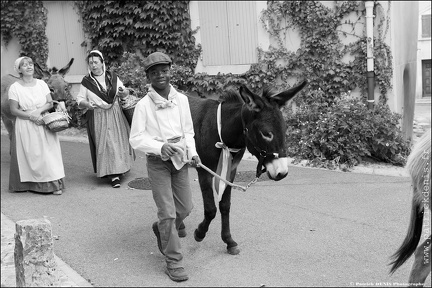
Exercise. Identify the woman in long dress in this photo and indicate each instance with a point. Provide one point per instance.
(107, 126)
(36, 158)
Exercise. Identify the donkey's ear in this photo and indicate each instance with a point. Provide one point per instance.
(63, 71)
(253, 101)
(41, 73)
(283, 97)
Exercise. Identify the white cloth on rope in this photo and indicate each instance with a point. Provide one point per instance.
(225, 161)
(179, 159)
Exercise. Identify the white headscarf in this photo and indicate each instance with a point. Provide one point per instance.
(102, 76)
(17, 63)
(103, 64)
(98, 52)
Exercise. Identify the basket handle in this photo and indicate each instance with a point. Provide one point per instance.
(68, 118)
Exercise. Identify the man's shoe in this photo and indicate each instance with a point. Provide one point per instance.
(182, 231)
(177, 274)
(156, 232)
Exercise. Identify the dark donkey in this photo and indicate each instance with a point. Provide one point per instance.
(53, 77)
(248, 121)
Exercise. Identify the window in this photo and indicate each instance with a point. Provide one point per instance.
(228, 32)
(426, 26)
(65, 35)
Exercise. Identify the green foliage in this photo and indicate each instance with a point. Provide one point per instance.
(326, 129)
(181, 77)
(141, 27)
(320, 56)
(26, 20)
(341, 133)
(131, 73)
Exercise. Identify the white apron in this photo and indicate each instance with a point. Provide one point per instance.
(38, 149)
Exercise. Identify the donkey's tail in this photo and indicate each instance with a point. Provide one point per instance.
(412, 238)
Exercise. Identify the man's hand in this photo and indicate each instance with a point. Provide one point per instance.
(168, 150)
(195, 161)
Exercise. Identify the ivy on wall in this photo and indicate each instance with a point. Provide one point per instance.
(330, 128)
(141, 27)
(320, 56)
(26, 20)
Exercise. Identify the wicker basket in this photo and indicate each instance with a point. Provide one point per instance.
(128, 106)
(56, 121)
(129, 114)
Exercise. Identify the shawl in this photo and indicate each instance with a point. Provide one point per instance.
(94, 86)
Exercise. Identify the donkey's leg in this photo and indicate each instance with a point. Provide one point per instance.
(224, 208)
(8, 123)
(205, 181)
(422, 265)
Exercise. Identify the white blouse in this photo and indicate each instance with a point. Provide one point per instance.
(92, 98)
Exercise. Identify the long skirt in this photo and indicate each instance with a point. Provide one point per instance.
(15, 183)
(108, 132)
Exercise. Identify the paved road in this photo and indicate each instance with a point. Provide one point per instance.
(314, 228)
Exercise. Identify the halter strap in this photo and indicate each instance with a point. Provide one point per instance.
(263, 154)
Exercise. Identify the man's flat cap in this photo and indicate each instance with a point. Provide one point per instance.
(155, 59)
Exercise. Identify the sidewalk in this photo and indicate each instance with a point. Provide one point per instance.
(70, 278)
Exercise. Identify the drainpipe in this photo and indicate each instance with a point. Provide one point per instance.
(370, 58)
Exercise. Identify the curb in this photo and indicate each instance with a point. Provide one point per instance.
(73, 278)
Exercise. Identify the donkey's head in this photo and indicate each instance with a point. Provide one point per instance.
(265, 128)
(60, 89)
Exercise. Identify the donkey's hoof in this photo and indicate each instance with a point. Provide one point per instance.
(233, 250)
(198, 239)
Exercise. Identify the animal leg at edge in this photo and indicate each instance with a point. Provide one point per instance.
(224, 208)
(209, 204)
(422, 265)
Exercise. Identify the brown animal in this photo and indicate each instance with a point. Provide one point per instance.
(419, 168)
(53, 77)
